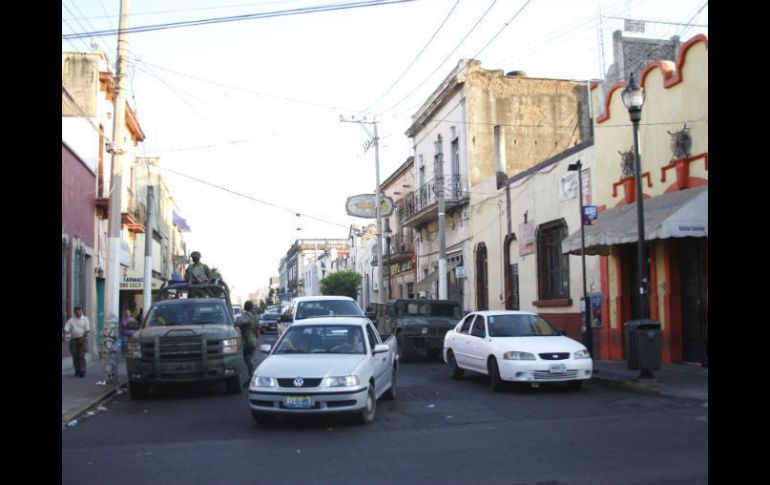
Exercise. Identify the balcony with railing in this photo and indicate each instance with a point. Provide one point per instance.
(421, 205)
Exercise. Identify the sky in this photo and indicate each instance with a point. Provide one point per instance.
(245, 114)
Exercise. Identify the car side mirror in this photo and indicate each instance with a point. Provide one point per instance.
(380, 348)
(265, 348)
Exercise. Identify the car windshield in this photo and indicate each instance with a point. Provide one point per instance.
(327, 308)
(269, 317)
(321, 339)
(519, 326)
(192, 312)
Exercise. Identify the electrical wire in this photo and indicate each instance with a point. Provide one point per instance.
(236, 18)
(270, 204)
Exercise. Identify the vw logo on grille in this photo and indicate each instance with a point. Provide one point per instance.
(298, 381)
(555, 356)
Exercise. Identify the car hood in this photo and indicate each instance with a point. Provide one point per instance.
(536, 345)
(185, 331)
(309, 365)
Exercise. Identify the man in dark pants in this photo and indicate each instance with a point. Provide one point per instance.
(76, 333)
(248, 323)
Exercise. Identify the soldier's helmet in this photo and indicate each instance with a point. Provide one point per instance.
(195, 254)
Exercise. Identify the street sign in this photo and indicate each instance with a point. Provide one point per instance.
(365, 205)
(589, 214)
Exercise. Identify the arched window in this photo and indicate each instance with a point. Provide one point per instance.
(482, 285)
(552, 265)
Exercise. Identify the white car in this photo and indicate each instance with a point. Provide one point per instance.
(304, 307)
(325, 365)
(516, 347)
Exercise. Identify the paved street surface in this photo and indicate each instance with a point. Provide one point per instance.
(437, 431)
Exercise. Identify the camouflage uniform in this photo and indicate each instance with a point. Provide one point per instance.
(248, 323)
(197, 273)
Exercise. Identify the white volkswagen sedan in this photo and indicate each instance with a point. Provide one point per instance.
(516, 347)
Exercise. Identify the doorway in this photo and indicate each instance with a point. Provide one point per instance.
(693, 267)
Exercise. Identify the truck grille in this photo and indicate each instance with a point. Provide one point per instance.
(180, 348)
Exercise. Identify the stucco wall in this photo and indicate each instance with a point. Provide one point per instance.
(77, 198)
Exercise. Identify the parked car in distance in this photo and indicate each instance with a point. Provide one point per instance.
(304, 307)
(515, 346)
(325, 365)
(268, 322)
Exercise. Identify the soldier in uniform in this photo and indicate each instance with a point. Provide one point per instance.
(196, 273)
(248, 323)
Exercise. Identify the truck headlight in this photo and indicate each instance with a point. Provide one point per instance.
(134, 350)
(231, 346)
(261, 381)
(343, 381)
(516, 355)
(582, 354)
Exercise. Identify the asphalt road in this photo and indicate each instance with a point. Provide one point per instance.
(437, 431)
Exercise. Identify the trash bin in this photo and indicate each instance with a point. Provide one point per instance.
(643, 344)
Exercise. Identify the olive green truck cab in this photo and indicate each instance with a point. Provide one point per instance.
(188, 335)
(418, 324)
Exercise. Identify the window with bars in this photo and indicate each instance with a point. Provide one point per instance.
(552, 265)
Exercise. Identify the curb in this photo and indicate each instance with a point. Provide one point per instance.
(630, 385)
(66, 418)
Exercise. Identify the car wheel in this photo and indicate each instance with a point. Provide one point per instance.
(234, 385)
(494, 375)
(138, 391)
(390, 394)
(262, 418)
(457, 372)
(403, 355)
(370, 410)
(574, 385)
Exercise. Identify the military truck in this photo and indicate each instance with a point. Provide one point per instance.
(188, 335)
(418, 324)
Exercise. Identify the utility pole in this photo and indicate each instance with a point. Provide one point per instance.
(374, 140)
(148, 249)
(442, 283)
(116, 174)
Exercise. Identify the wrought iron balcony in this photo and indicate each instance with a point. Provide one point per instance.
(421, 205)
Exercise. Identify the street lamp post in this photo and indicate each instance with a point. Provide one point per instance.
(633, 99)
(589, 333)
(388, 234)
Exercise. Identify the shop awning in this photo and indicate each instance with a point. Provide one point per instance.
(684, 213)
(427, 283)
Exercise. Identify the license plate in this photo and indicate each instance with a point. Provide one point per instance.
(298, 402)
(557, 369)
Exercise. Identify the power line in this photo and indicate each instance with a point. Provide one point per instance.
(447, 57)
(236, 18)
(503, 28)
(270, 204)
(416, 57)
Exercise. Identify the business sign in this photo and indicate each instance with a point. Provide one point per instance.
(589, 215)
(633, 26)
(365, 206)
(527, 234)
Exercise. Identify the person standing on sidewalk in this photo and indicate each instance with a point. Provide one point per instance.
(76, 333)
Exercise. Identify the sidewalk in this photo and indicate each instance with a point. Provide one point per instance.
(672, 380)
(78, 394)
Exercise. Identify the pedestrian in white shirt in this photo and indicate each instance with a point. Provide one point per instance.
(76, 333)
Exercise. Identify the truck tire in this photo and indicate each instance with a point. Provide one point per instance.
(457, 372)
(138, 391)
(234, 385)
(403, 354)
(369, 412)
(390, 394)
